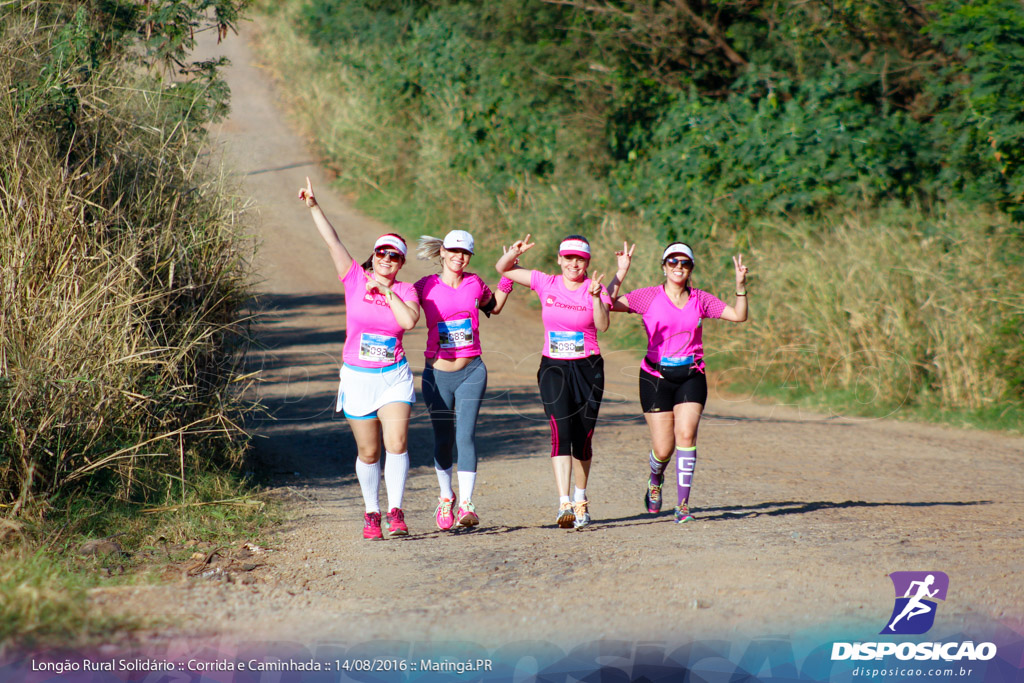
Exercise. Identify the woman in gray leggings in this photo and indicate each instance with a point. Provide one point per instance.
(455, 377)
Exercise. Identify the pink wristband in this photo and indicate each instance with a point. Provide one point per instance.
(505, 285)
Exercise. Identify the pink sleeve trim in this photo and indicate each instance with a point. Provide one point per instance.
(420, 285)
(710, 306)
(639, 300)
(485, 291)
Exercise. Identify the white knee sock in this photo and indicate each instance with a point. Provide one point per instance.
(467, 481)
(369, 482)
(444, 481)
(396, 469)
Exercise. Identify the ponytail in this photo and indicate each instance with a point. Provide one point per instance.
(429, 248)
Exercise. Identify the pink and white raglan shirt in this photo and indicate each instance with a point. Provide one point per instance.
(673, 334)
(453, 315)
(568, 317)
(373, 338)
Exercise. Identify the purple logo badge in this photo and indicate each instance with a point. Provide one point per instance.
(917, 594)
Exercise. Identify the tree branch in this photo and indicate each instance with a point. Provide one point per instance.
(712, 33)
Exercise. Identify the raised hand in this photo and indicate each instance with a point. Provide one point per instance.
(504, 250)
(595, 285)
(522, 246)
(741, 272)
(625, 257)
(306, 194)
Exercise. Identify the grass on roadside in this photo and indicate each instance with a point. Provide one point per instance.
(47, 581)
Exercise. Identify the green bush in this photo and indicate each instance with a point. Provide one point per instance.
(861, 104)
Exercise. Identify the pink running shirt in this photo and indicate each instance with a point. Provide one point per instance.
(568, 317)
(453, 315)
(673, 334)
(373, 338)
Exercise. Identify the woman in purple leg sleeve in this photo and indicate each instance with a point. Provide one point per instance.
(673, 386)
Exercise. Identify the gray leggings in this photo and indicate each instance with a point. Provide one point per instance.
(453, 399)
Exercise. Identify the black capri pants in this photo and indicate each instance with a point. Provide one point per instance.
(571, 391)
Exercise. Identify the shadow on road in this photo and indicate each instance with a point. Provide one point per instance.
(800, 507)
(732, 512)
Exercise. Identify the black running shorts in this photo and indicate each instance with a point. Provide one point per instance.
(658, 394)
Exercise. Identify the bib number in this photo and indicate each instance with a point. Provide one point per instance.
(676, 361)
(565, 344)
(378, 348)
(455, 334)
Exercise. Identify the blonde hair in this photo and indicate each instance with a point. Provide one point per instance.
(429, 248)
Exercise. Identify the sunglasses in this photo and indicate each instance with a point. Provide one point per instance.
(673, 261)
(382, 254)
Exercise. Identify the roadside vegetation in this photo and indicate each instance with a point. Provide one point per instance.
(866, 157)
(124, 270)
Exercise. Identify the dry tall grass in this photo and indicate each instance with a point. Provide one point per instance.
(122, 272)
(890, 306)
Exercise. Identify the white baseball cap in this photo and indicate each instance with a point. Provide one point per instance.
(677, 248)
(458, 239)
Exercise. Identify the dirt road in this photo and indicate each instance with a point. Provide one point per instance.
(800, 517)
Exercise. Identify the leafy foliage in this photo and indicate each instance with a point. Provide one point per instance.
(839, 143)
(700, 113)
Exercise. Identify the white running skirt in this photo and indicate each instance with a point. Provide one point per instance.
(364, 390)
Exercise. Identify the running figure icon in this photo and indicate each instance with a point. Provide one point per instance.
(917, 595)
(916, 606)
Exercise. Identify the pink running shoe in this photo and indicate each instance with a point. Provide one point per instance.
(652, 499)
(371, 526)
(396, 523)
(682, 514)
(443, 514)
(467, 514)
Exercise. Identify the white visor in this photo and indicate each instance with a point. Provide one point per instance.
(390, 241)
(574, 248)
(677, 248)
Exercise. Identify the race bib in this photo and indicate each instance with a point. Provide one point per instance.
(455, 334)
(676, 361)
(565, 344)
(378, 348)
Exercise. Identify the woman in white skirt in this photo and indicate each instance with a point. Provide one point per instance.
(376, 393)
